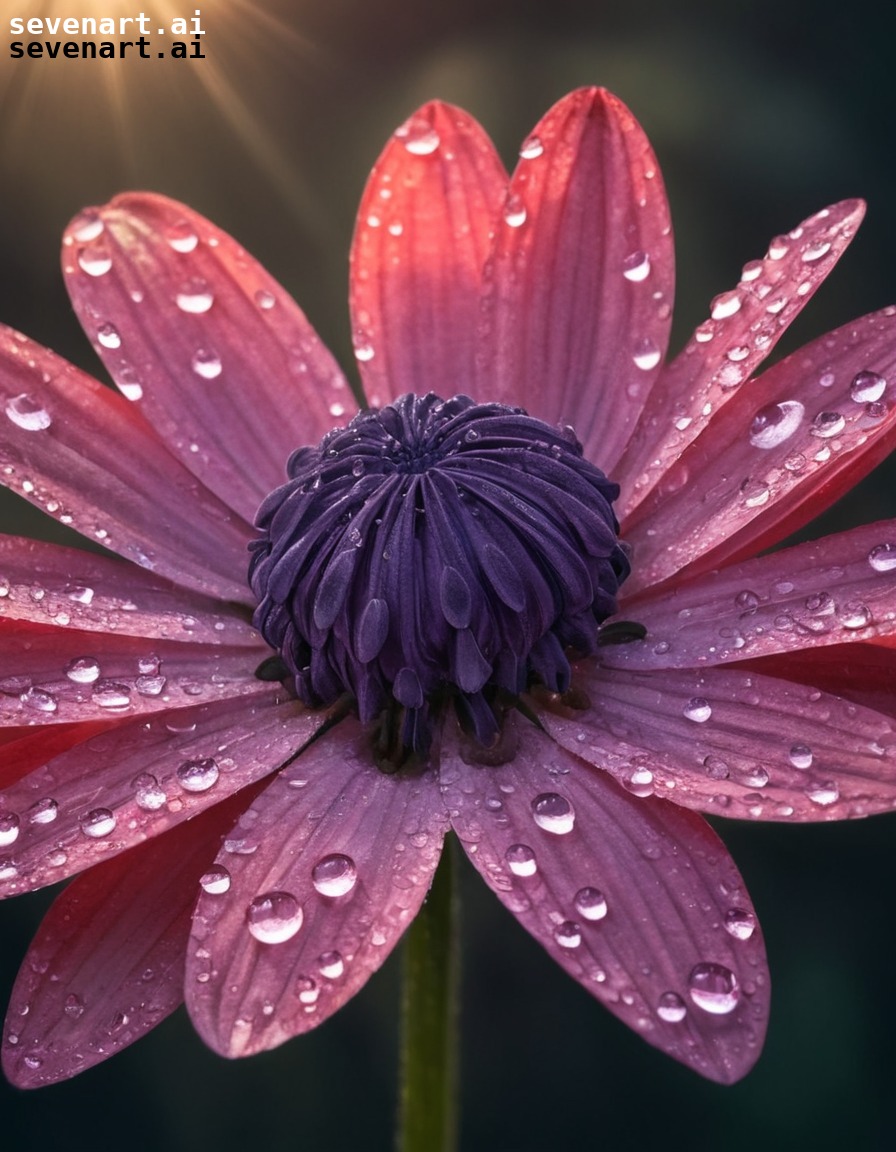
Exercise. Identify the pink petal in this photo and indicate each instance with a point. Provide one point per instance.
(59, 677)
(744, 326)
(215, 353)
(85, 456)
(859, 672)
(107, 963)
(732, 742)
(780, 452)
(631, 897)
(48, 584)
(421, 239)
(345, 856)
(836, 590)
(581, 280)
(26, 749)
(137, 780)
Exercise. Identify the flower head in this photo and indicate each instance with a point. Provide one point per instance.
(251, 777)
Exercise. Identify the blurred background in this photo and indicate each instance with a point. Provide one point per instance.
(760, 112)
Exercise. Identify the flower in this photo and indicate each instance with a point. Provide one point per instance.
(440, 601)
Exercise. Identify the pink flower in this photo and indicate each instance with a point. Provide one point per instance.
(247, 852)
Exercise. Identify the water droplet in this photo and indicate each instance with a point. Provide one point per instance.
(854, 615)
(590, 903)
(775, 423)
(206, 363)
(215, 881)
(128, 383)
(363, 347)
(110, 694)
(671, 1008)
(824, 794)
(181, 237)
(195, 297)
(307, 990)
(800, 756)
(43, 811)
(82, 670)
(740, 923)
(882, 557)
(531, 148)
(713, 988)
(9, 829)
(418, 136)
(815, 251)
(27, 413)
(95, 261)
(148, 793)
(86, 226)
(636, 267)
(514, 211)
(40, 700)
(73, 1006)
(334, 875)
(521, 860)
(827, 424)
(866, 387)
(108, 336)
(198, 775)
(274, 917)
(755, 493)
(725, 305)
(97, 823)
(640, 782)
(697, 709)
(568, 934)
(264, 299)
(646, 355)
(331, 965)
(553, 813)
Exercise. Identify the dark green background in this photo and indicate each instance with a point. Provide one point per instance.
(760, 114)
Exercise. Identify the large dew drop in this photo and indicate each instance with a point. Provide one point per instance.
(334, 875)
(713, 987)
(553, 813)
(521, 860)
(274, 917)
(776, 423)
(28, 414)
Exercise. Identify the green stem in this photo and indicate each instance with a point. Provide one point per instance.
(427, 1119)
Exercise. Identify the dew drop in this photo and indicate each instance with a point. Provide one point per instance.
(854, 615)
(95, 261)
(97, 823)
(86, 226)
(27, 414)
(671, 1008)
(82, 670)
(521, 860)
(800, 756)
(181, 237)
(334, 875)
(827, 424)
(815, 251)
(755, 493)
(110, 694)
(824, 794)
(418, 136)
(713, 988)
(40, 700)
(867, 387)
(148, 793)
(646, 355)
(108, 336)
(265, 299)
(43, 811)
(73, 1006)
(882, 557)
(775, 423)
(274, 917)
(725, 305)
(195, 298)
(636, 267)
(128, 383)
(206, 363)
(198, 775)
(331, 965)
(9, 829)
(531, 148)
(215, 881)
(553, 813)
(514, 211)
(740, 923)
(568, 934)
(697, 709)
(590, 903)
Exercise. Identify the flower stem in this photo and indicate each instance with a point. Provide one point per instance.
(427, 1118)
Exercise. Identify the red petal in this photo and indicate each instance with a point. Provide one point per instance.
(744, 327)
(220, 359)
(733, 743)
(107, 963)
(48, 584)
(85, 456)
(668, 884)
(57, 677)
(787, 445)
(330, 816)
(579, 305)
(137, 780)
(839, 589)
(26, 749)
(420, 242)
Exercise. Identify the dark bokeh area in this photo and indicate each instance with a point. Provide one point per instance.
(760, 113)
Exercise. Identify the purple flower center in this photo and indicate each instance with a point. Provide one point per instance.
(436, 551)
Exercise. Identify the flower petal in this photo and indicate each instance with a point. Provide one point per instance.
(421, 239)
(733, 743)
(836, 590)
(218, 357)
(136, 780)
(86, 457)
(631, 897)
(579, 294)
(744, 326)
(47, 584)
(107, 963)
(345, 858)
(780, 452)
(25, 749)
(57, 677)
